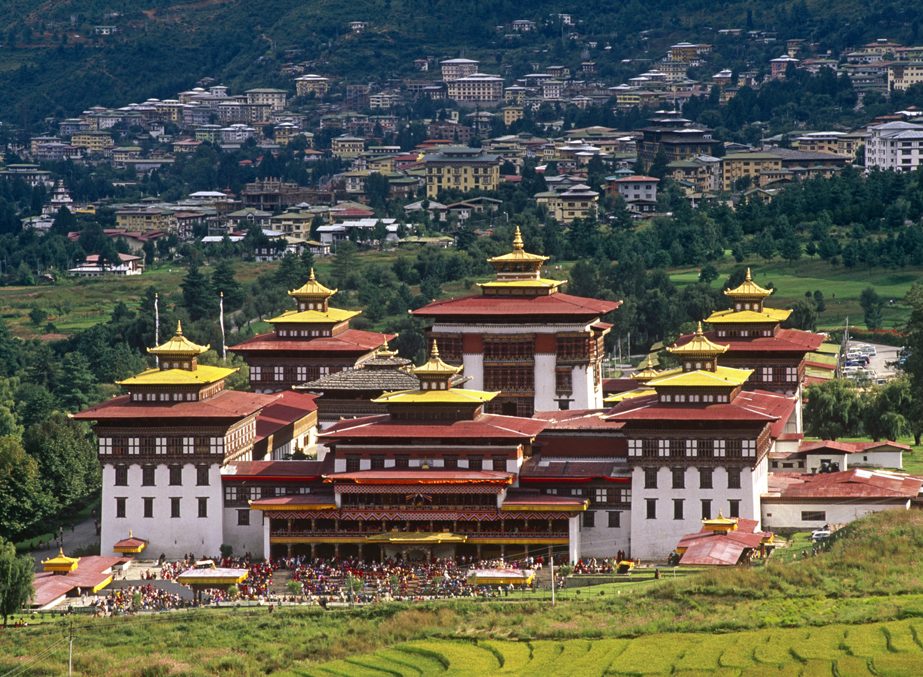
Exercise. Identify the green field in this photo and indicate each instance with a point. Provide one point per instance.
(841, 287)
(883, 649)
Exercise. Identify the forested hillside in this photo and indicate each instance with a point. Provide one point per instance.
(53, 62)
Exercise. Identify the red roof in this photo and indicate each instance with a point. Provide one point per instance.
(613, 386)
(290, 407)
(130, 543)
(507, 308)
(535, 470)
(850, 484)
(420, 476)
(785, 340)
(299, 499)
(851, 447)
(756, 405)
(226, 404)
(352, 211)
(383, 429)
(721, 548)
(631, 179)
(94, 258)
(90, 573)
(349, 341)
(277, 470)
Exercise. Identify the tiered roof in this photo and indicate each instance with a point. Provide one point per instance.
(748, 307)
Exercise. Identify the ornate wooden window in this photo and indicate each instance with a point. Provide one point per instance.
(649, 448)
(509, 377)
(563, 380)
(509, 347)
(573, 346)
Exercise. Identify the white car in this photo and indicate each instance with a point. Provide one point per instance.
(819, 535)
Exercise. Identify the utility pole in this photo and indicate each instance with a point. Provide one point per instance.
(70, 653)
(552, 579)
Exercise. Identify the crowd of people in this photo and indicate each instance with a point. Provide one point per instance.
(137, 598)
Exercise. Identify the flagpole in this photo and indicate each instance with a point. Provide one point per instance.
(157, 324)
(223, 342)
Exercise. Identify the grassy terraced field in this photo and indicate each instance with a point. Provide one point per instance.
(891, 649)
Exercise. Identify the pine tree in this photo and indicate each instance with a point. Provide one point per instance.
(223, 281)
(199, 298)
(77, 386)
(66, 459)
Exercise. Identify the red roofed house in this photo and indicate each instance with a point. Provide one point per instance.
(435, 476)
(830, 456)
(795, 502)
(724, 541)
(307, 343)
(540, 348)
(164, 445)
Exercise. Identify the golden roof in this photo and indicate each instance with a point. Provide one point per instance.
(61, 563)
(540, 283)
(699, 345)
(647, 373)
(766, 315)
(434, 366)
(332, 316)
(722, 377)
(748, 290)
(720, 523)
(313, 289)
(179, 345)
(203, 375)
(448, 396)
(411, 537)
(631, 394)
(518, 255)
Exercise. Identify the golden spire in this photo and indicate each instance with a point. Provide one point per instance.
(434, 366)
(434, 353)
(517, 240)
(748, 279)
(179, 327)
(178, 346)
(385, 351)
(312, 273)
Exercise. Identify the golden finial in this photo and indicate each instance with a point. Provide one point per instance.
(435, 352)
(720, 514)
(698, 332)
(748, 278)
(517, 239)
(179, 328)
(312, 274)
(650, 365)
(61, 552)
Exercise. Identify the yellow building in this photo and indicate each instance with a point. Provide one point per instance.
(737, 165)
(838, 143)
(904, 74)
(347, 146)
(577, 202)
(511, 114)
(144, 219)
(94, 142)
(461, 168)
(312, 83)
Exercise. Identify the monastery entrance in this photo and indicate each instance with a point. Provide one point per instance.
(416, 553)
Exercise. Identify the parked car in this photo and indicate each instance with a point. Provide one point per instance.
(819, 535)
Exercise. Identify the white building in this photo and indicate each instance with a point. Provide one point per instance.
(894, 145)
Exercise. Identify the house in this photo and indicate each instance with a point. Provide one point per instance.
(145, 219)
(639, 192)
(452, 69)
(346, 146)
(311, 83)
(831, 456)
(894, 145)
(799, 502)
(575, 202)
(94, 267)
(478, 88)
(274, 98)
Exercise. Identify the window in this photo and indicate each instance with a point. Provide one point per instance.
(243, 518)
(706, 509)
(589, 519)
(201, 475)
(148, 507)
(601, 496)
(679, 478)
(378, 462)
(203, 506)
(651, 508)
(174, 507)
(813, 516)
(499, 463)
(280, 373)
(677, 508)
(475, 463)
(121, 477)
(650, 478)
(120, 507)
(352, 463)
(734, 508)
(450, 462)
(705, 476)
(615, 520)
(147, 476)
(176, 475)
(402, 461)
(563, 380)
(733, 478)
